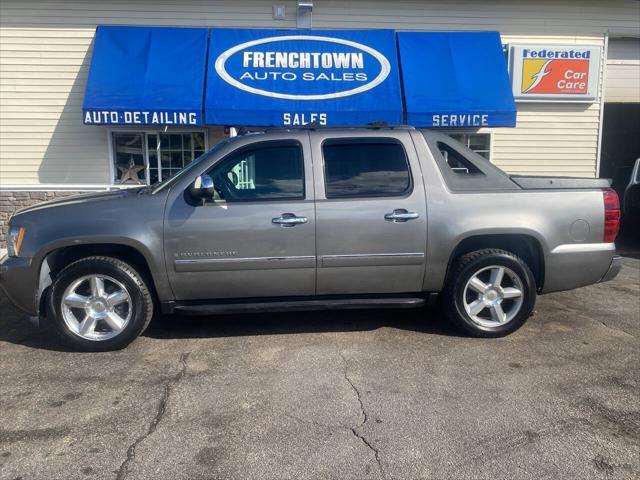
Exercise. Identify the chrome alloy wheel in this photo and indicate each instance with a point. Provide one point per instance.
(96, 307)
(493, 296)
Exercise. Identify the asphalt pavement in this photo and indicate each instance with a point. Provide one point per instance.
(367, 394)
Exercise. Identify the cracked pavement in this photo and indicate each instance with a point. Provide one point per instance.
(365, 418)
(162, 409)
(368, 394)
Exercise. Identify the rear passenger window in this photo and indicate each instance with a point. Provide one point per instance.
(365, 168)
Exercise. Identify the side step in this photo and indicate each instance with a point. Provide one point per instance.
(296, 305)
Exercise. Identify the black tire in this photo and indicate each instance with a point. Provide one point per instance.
(467, 267)
(141, 302)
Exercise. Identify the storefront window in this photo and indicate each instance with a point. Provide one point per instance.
(176, 150)
(165, 153)
(478, 142)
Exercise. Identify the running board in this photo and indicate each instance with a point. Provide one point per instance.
(296, 305)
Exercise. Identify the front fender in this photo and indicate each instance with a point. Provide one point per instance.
(130, 220)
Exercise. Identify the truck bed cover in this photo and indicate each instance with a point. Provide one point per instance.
(553, 183)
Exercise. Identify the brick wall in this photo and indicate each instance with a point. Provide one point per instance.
(10, 202)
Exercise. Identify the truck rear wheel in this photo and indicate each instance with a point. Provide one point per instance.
(99, 304)
(490, 293)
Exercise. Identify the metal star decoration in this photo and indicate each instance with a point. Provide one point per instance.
(130, 174)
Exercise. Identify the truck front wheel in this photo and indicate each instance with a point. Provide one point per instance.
(490, 293)
(99, 304)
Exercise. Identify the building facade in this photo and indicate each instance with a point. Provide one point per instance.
(46, 50)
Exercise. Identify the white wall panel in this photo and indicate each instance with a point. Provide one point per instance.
(622, 84)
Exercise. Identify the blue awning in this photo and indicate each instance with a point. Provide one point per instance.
(156, 76)
(293, 77)
(146, 76)
(455, 79)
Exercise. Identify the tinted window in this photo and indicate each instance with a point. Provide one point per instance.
(273, 172)
(370, 168)
(463, 169)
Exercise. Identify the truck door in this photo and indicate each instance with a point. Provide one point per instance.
(370, 213)
(258, 240)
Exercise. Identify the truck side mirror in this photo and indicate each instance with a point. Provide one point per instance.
(202, 188)
(631, 196)
(635, 176)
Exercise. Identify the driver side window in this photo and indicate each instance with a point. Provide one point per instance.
(273, 171)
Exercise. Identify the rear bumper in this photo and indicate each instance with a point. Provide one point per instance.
(614, 269)
(577, 265)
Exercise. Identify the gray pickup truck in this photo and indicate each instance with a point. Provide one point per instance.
(312, 219)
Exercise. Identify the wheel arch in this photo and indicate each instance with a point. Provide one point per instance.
(524, 246)
(57, 258)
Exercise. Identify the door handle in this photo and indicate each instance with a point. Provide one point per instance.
(400, 215)
(289, 220)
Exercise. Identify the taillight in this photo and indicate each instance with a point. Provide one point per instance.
(611, 214)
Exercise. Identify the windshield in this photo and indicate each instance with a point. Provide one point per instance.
(157, 187)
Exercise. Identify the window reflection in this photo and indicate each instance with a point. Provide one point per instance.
(365, 169)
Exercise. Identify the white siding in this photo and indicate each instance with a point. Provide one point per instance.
(522, 17)
(42, 139)
(45, 51)
(551, 138)
(622, 82)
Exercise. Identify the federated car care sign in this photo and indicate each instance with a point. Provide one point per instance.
(555, 73)
(296, 78)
